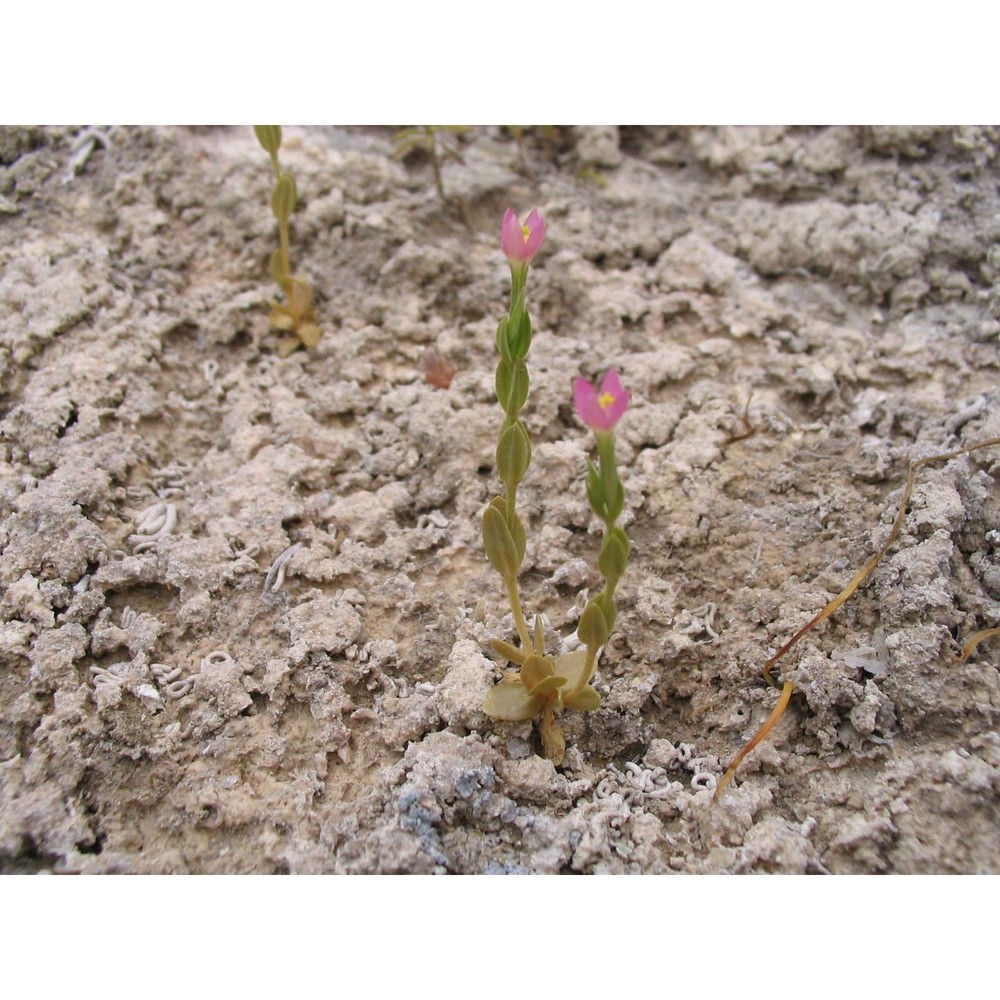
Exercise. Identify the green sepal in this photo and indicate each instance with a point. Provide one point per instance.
(519, 337)
(269, 136)
(284, 196)
(510, 653)
(501, 549)
(511, 703)
(512, 385)
(547, 685)
(614, 553)
(593, 628)
(585, 700)
(513, 454)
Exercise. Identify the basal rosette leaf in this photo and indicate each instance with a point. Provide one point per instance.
(511, 702)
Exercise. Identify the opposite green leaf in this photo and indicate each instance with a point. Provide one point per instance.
(546, 686)
(511, 703)
(502, 340)
(595, 491)
(512, 385)
(586, 700)
(519, 339)
(535, 669)
(510, 653)
(269, 136)
(283, 197)
(593, 628)
(614, 555)
(513, 453)
(499, 545)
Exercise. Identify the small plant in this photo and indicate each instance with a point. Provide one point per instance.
(430, 140)
(545, 685)
(296, 316)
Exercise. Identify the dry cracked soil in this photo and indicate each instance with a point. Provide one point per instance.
(246, 613)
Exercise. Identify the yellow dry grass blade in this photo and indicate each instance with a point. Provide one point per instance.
(974, 640)
(844, 595)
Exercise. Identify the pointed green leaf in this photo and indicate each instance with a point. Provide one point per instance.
(513, 454)
(284, 196)
(502, 340)
(595, 491)
(512, 385)
(614, 494)
(605, 600)
(502, 380)
(514, 525)
(539, 636)
(511, 703)
(519, 337)
(500, 548)
(510, 653)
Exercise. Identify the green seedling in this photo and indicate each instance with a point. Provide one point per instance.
(787, 688)
(297, 316)
(431, 139)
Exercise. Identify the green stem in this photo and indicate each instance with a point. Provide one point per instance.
(518, 280)
(282, 224)
(609, 481)
(515, 606)
(589, 668)
(608, 467)
(285, 246)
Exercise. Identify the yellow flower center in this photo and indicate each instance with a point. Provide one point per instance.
(605, 400)
(526, 232)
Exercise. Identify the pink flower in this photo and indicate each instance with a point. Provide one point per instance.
(521, 243)
(601, 408)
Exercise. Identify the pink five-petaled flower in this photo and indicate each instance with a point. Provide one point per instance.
(521, 243)
(601, 408)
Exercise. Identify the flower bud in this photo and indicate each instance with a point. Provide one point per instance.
(521, 243)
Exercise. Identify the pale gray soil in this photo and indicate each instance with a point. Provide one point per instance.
(159, 712)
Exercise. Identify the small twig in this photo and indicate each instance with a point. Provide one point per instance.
(970, 644)
(844, 595)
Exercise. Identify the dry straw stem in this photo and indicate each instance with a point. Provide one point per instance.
(787, 687)
(974, 640)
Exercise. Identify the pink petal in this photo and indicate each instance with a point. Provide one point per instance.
(612, 385)
(587, 399)
(585, 402)
(511, 237)
(588, 407)
(536, 228)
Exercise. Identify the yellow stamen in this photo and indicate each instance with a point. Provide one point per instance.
(526, 233)
(605, 400)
